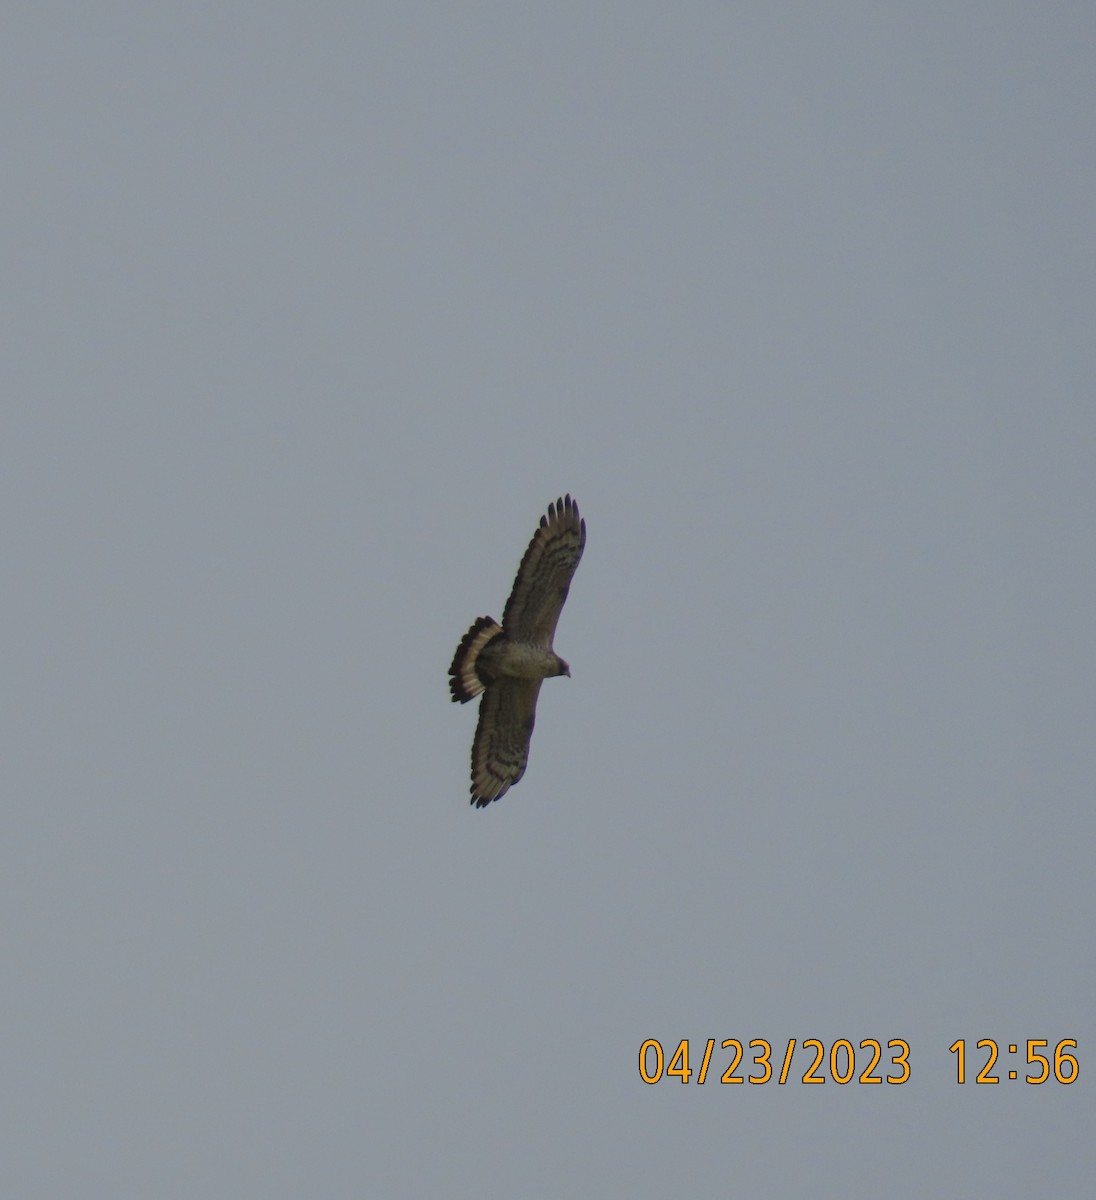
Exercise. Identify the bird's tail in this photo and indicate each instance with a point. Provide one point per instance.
(464, 680)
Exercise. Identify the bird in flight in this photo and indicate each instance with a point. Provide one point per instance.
(507, 663)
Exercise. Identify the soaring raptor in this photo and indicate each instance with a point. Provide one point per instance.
(508, 662)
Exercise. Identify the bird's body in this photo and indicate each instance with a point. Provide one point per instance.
(518, 660)
(507, 663)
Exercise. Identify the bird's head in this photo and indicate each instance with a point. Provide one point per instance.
(562, 668)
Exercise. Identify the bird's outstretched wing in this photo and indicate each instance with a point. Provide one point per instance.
(545, 574)
(500, 749)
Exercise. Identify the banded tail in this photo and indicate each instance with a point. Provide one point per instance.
(464, 681)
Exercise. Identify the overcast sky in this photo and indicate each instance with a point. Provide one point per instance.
(307, 314)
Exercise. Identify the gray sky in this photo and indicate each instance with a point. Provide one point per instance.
(307, 314)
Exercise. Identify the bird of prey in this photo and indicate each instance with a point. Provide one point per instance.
(509, 662)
